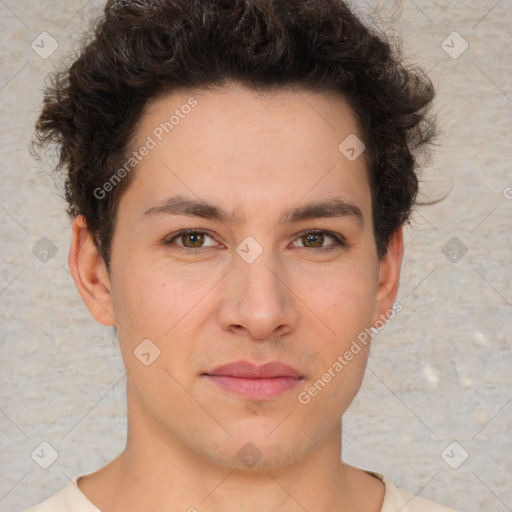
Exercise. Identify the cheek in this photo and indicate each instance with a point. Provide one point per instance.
(344, 297)
(149, 305)
(348, 304)
(146, 298)
(162, 303)
(345, 303)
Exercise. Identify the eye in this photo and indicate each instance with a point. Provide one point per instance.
(316, 239)
(192, 239)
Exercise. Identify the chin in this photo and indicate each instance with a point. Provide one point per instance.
(260, 448)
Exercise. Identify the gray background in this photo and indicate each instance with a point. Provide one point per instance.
(440, 372)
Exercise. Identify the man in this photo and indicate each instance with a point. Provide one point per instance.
(238, 174)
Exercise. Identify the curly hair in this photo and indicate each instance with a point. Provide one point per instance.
(141, 49)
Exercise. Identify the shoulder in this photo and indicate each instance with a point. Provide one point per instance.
(396, 500)
(68, 499)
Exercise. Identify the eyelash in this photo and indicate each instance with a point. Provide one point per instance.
(340, 241)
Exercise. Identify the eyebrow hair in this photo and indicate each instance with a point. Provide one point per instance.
(330, 208)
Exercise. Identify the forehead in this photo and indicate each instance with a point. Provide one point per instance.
(236, 110)
(238, 143)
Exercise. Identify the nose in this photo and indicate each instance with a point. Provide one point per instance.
(257, 301)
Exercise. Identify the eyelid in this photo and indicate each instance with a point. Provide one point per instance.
(168, 240)
(340, 239)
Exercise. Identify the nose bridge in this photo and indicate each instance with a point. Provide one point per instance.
(261, 299)
(259, 270)
(263, 271)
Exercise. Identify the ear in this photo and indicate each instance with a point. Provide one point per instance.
(389, 274)
(90, 273)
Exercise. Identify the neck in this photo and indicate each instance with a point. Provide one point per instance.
(173, 477)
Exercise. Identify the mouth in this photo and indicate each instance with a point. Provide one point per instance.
(255, 382)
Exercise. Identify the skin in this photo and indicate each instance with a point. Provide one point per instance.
(258, 155)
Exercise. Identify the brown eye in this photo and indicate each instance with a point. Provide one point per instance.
(316, 239)
(195, 239)
(190, 239)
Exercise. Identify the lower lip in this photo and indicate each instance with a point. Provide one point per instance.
(255, 389)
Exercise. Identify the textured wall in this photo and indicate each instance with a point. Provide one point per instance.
(439, 373)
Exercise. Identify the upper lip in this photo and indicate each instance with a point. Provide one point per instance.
(245, 369)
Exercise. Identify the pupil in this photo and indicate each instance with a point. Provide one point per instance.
(194, 235)
(313, 236)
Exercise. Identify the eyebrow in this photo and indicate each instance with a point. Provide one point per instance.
(330, 208)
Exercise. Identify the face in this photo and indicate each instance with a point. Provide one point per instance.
(262, 275)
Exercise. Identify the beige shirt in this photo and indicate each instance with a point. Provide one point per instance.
(72, 499)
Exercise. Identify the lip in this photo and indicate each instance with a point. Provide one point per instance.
(255, 382)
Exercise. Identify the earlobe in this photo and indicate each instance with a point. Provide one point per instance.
(389, 274)
(90, 274)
